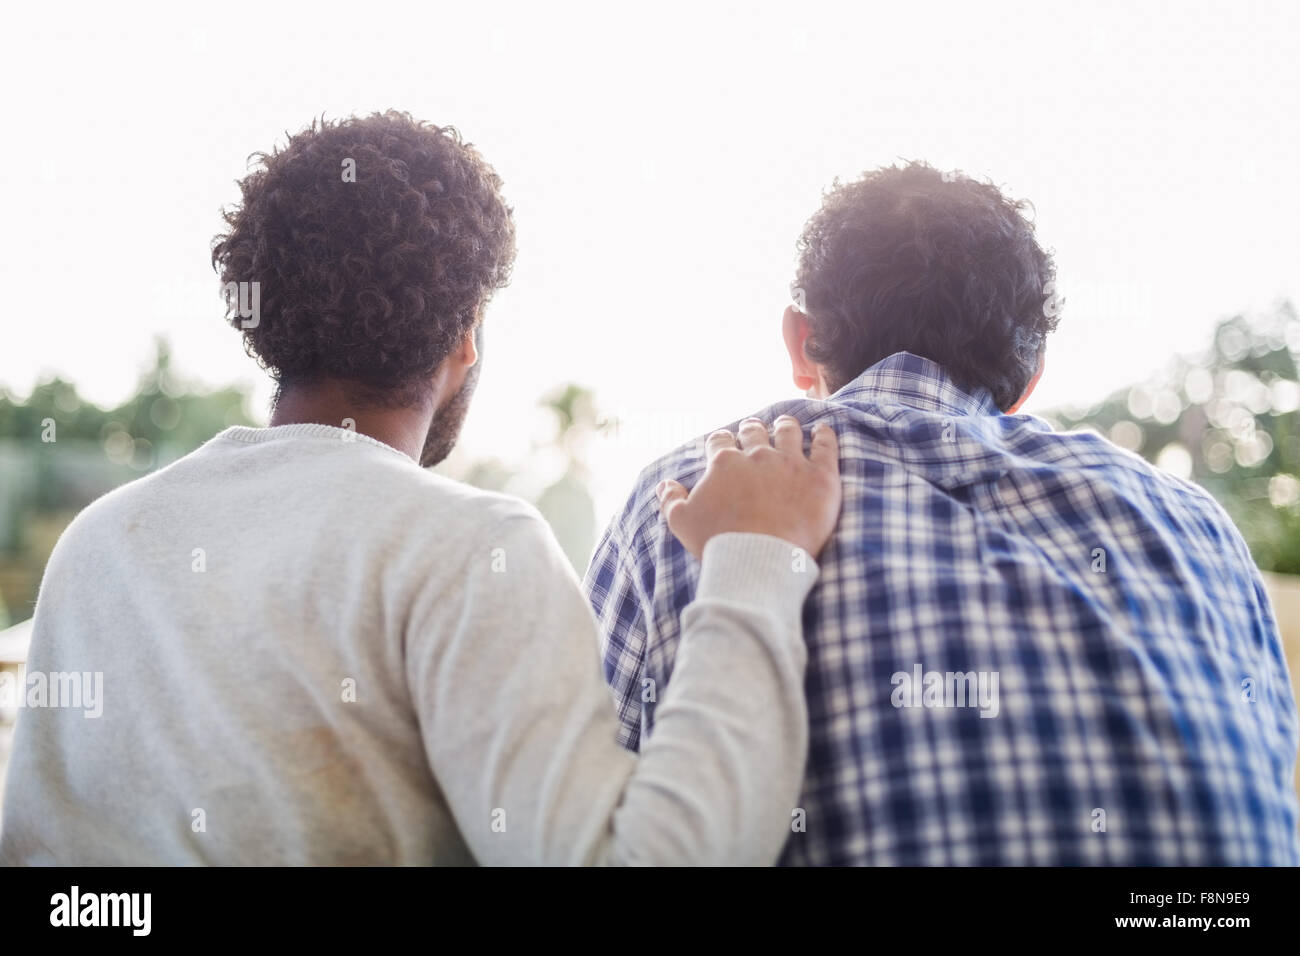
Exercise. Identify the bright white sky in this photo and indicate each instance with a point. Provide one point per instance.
(661, 163)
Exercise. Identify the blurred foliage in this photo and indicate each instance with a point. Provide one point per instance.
(574, 407)
(59, 452)
(1228, 419)
(163, 410)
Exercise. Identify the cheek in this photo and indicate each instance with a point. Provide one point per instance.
(449, 386)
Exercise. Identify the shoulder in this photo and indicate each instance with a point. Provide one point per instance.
(374, 487)
(107, 514)
(637, 523)
(1113, 471)
(1089, 450)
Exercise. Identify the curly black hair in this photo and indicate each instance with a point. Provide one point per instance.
(909, 259)
(376, 242)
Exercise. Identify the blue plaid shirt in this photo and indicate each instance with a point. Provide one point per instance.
(1025, 647)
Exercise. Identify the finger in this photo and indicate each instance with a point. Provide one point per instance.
(718, 441)
(669, 491)
(825, 451)
(673, 505)
(753, 434)
(788, 435)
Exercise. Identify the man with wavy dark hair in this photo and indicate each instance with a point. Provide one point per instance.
(311, 650)
(906, 260)
(1025, 647)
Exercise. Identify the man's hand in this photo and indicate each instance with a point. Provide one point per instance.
(759, 488)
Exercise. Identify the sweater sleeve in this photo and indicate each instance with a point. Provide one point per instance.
(521, 737)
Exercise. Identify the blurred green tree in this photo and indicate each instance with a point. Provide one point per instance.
(59, 452)
(1229, 419)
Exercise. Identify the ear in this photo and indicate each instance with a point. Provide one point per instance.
(795, 330)
(453, 370)
(1029, 389)
(466, 354)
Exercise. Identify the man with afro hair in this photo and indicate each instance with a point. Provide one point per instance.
(314, 651)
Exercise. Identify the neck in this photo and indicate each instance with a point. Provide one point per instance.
(332, 402)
